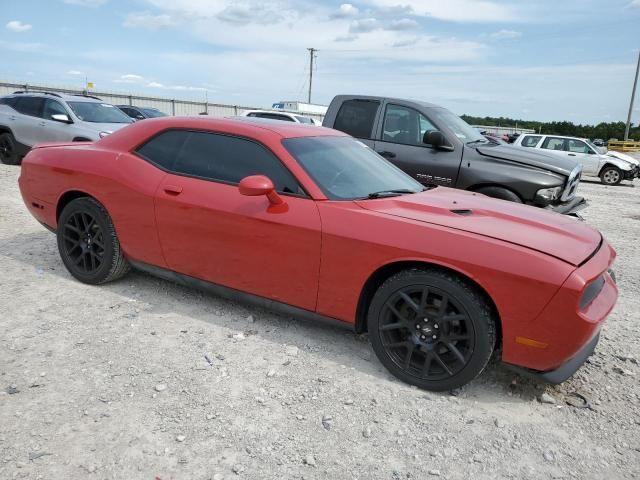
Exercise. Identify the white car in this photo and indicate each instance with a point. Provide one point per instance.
(284, 116)
(611, 167)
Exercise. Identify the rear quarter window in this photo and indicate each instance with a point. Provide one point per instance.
(356, 118)
(162, 150)
(530, 140)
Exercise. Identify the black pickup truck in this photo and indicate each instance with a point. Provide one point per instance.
(437, 147)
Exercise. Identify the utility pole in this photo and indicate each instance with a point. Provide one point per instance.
(312, 55)
(633, 96)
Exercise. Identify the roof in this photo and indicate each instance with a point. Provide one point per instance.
(62, 96)
(390, 99)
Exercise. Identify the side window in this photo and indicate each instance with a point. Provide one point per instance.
(163, 149)
(274, 116)
(552, 143)
(30, 106)
(530, 140)
(129, 111)
(578, 146)
(356, 118)
(10, 101)
(52, 107)
(405, 125)
(230, 159)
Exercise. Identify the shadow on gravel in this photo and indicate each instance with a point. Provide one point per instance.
(334, 344)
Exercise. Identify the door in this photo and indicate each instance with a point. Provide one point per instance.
(583, 154)
(27, 126)
(53, 130)
(209, 231)
(401, 141)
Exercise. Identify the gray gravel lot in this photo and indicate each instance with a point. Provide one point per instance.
(144, 379)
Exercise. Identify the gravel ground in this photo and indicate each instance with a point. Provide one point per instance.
(144, 379)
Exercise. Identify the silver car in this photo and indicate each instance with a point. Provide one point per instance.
(29, 118)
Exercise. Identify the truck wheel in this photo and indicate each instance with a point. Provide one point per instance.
(501, 193)
(8, 151)
(611, 175)
(431, 329)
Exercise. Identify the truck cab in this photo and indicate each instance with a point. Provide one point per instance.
(437, 147)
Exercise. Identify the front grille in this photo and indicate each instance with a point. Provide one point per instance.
(572, 184)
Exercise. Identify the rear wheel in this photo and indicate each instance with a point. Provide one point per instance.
(88, 244)
(501, 193)
(431, 329)
(611, 175)
(8, 149)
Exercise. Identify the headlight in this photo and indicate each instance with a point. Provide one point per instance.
(548, 195)
(104, 134)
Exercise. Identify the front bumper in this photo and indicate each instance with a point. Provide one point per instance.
(631, 174)
(571, 207)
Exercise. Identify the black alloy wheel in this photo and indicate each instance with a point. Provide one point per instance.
(88, 244)
(8, 151)
(431, 329)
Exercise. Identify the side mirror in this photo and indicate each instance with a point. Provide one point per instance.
(257, 185)
(436, 139)
(61, 117)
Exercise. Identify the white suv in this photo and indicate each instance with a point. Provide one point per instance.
(611, 167)
(29, 118)
(284, 116)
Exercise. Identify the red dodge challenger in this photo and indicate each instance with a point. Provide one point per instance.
(311, 222)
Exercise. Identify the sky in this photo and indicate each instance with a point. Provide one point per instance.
(545, 60)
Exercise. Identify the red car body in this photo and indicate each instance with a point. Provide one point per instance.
(324, 256)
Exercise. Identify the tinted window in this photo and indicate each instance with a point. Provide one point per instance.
(153, 113)
(230, 159)
(552, 143)
(530, 140)
(163, 149)
(405, 125)
(356, 117)
(52, 107)
(30, 106)
(11, 101)
(346, 169)
(129, 111)
(272, 116)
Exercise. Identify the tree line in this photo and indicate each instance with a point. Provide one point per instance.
(605, 131)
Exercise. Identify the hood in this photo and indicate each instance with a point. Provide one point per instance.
(624, 157)
(529, 156)
(560, 236)
(105, 127)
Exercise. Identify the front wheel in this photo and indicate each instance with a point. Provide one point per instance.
(8, 150)
(611, 175)
(88, 243)
(431, 329)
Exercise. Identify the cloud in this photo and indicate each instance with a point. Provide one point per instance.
(407, 42)
(129, 78)
(246, 14)
(150, 21)
(346, 10)
(86, 3)
(506, 34)
(17, 26)
(454, 10)
(75, 72)
(180, 88)
(346, 38)
(363, 26)
(635, 3)
(402, 24)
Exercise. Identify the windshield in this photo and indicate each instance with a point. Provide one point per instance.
(153, 113)
(346, 169)
(465, 132)
(95, 112)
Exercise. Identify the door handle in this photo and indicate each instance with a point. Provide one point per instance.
(172, 189)
(42, 124)
(12, 117)
(387, 154)
(572, 154)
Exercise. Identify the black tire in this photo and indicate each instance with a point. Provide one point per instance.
(9, 150)
(611, 175)
(441, 342)
(500, 193)
(88, 243)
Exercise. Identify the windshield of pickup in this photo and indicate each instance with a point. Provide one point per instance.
(465, 132)
(95, 112)
(346, 169)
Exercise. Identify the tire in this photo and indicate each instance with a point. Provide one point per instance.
(88, 243)
(452, 329)
(500, 193)
(611, 175)
(8, 150)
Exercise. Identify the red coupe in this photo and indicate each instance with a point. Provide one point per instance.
(312, 222)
